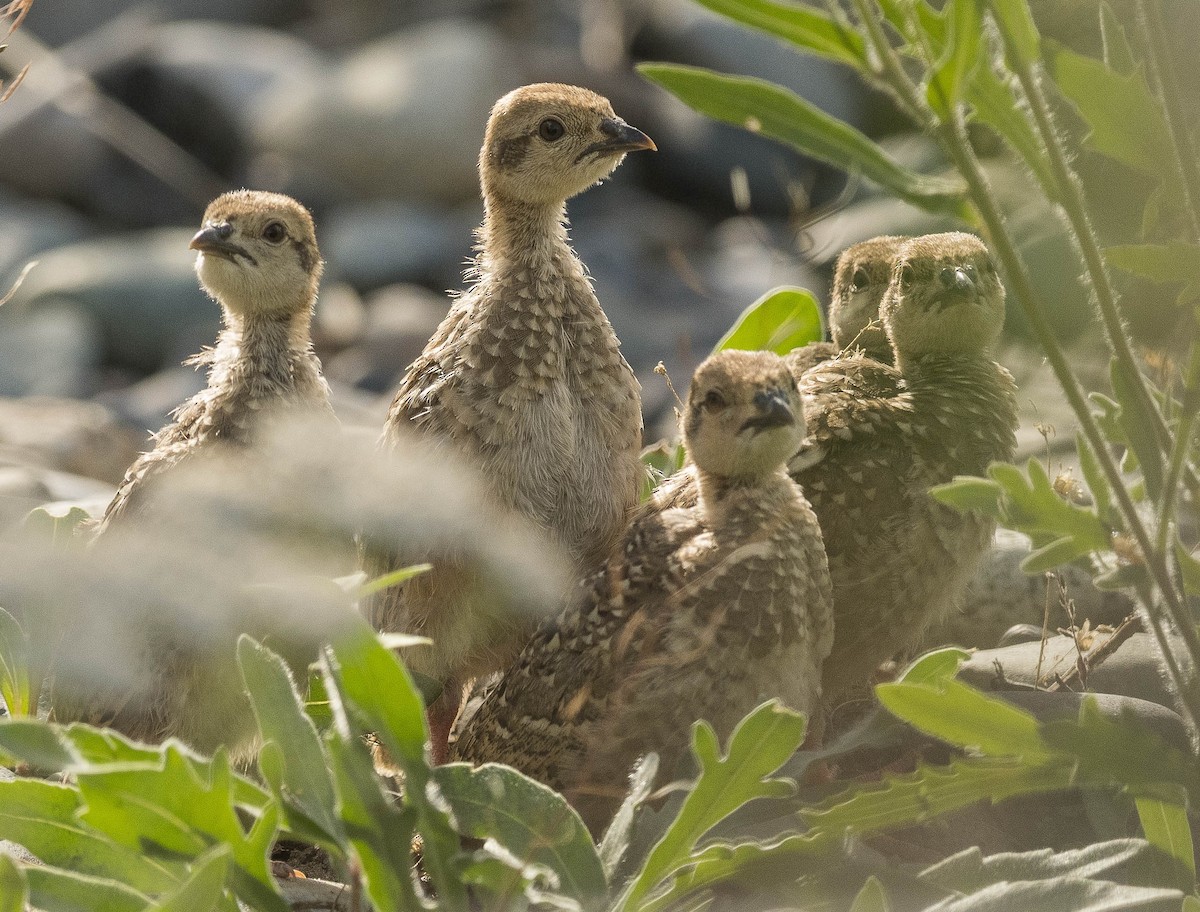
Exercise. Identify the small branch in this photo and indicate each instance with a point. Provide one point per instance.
(1094, 658)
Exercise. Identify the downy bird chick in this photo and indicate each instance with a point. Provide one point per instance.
(257, 257)
(859, 281)
(525, 380)
(703, 613)
(880, 437)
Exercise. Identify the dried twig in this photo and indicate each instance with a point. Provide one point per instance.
(1091, 660)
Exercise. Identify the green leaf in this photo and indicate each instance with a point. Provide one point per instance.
(759, 745)
(1166, 826)
(1118, 55)
(1141, 432)
(1189, 568)
(994, 104)
(935, 667)
(183, 809)
(39, 744)
(801, 25)
(1016, 24)
(619, 835)
(1166, 264)
(19, 697)
(530, 820)
(43, 818)
(959, 57)
(388, 580)
(1063, 893)
(970, 495)
(1054, 554)
(871, 898)
(763, 107)
(14, 888)
(1031, 505)
(961, 715)
(378, 690)
(304, 778)
(55, 890)
(204, 889)
(1126, 120)
(1128, 861)
(56, 522)
(779, 321)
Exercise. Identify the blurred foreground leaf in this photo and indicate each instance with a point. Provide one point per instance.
(779, 321)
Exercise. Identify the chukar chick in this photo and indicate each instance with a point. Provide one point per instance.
(257, 257)
(703, 613)
(860, 279)
(525, 380)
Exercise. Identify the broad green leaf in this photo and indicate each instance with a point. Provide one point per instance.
(180, 810)
(1031, 505)
(500, 880)
(377, 690)
(801, 25)
(935, 667)
(932, 791)
(959, 57)
(43, 818)
(56, 522)
(281, 720)
(961, 715)
(1166, 826)
(14, 888)
(1162, 263)
(1126, 120)
(1017, 25)
(1054, 554)
(769, 109)
(55, 890)
(871, 898)
(15, 689)
(968, 494)
(994, 104)
(388, 580)
(1064, 893)
(1141, 431)
(618, 836)
(758, 747)
(204, 889)
(779, 321)
(38, 744)
(530, 820)
(1128, 861)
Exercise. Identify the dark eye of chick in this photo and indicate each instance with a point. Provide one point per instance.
(551, 129)
(275, 232)
(714, 400)
(861, 280)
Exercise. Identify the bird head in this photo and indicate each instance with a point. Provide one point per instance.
(744, 414)
(859, 282)
(945, 297)
(258, 254)
(547, 142)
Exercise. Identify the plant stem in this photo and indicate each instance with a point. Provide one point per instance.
(954, 140)
(1179, 453)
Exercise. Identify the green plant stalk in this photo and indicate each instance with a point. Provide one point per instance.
(953, 137)
(1070, 197)
(1179, 452)
(1162, 76)
(891, 76)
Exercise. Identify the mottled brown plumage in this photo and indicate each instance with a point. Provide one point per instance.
(525, 379)
(258, 258)
(704, 612)
(859, 281)
(880, 437)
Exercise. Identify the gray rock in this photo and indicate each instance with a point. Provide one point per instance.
(82, 438)
(147, 405)
(63, 21)
(52, 351)
(31, 226)
(385, 241)
(403, 117)
(140, 288)
(1053, 707)
(24, 488)
(1134, 670)
(1001, 595)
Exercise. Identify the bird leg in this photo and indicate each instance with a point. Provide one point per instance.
(441, 714)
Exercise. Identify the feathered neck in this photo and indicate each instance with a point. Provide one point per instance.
(521, 235)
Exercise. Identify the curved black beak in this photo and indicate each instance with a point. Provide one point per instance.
(773, 411)
(619, 138)
(958, 281)
(213, 239)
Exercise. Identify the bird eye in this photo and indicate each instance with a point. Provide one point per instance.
(551, 129)
(275, 232)
(907, 274)
(714, 400)
(861, 280)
